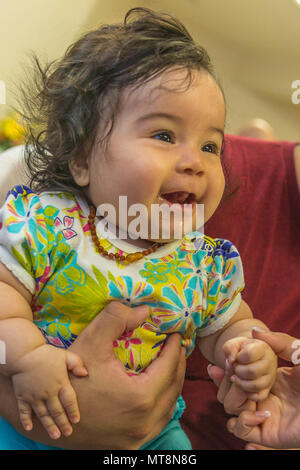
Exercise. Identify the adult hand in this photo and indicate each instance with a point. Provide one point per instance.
(134, 408)
(233, 398)
(281, 429)
(117, 411)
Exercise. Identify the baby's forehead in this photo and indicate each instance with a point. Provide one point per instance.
(169, 81)
(169, 88)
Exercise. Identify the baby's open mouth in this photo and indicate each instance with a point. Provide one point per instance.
(179, 197)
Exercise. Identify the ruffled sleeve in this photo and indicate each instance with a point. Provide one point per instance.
(221, 294)
(26, 236)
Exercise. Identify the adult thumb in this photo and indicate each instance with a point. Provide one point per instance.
(110, 324)
(285, 346)
(216, 374)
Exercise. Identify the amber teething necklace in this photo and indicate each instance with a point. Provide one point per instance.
(130, 258)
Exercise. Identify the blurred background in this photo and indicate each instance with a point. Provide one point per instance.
(254, 45)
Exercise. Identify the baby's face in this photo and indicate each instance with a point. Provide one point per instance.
(164, 148)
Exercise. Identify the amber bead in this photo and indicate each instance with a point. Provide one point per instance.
(134, 257)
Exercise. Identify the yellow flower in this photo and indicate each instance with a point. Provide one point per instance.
(12, 130)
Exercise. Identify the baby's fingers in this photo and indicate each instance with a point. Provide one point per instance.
(46, 420)
(256, 390)
(75, 364)
(58, 413)
(25, 413)
(68, 399)
(252, 351)
(231, 350)
(252, 371)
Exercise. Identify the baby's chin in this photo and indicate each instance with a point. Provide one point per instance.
(165, 240)
(161, 237)
(148, 242)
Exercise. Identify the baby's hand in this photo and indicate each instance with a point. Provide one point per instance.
(42, 384)
(252, 365)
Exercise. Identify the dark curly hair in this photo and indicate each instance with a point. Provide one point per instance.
(71, 96)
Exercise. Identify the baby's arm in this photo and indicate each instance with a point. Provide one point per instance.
(39, 371)
(252, 363)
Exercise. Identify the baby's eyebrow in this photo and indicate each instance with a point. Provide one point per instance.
(216, 129)
(155, 115)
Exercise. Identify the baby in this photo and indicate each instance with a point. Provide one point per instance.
(132, 110)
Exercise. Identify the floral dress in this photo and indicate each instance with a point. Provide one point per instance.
(192, 286)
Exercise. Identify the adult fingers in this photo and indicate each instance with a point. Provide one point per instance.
(247, 425)
(285, 346)
(171, 363)
(164, 384)
(215, 373)
(232, 397)
(224, 388)
(154, 392)
(108, 326)
(224, 383)
(236, 400)
(253, 446)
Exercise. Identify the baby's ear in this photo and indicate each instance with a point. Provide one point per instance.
(79, 168)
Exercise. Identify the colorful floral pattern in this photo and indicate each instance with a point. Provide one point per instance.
(47, 237)
(122, 288)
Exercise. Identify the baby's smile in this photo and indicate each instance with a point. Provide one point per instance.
(178, 197)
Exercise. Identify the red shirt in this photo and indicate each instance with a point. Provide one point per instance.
(261, 218)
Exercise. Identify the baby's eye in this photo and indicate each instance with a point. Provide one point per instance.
(164, 136)
(211, 148)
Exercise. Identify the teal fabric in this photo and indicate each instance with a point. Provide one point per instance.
(10, 439)
(172, 436)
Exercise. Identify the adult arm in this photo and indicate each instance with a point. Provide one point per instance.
(117, 411)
